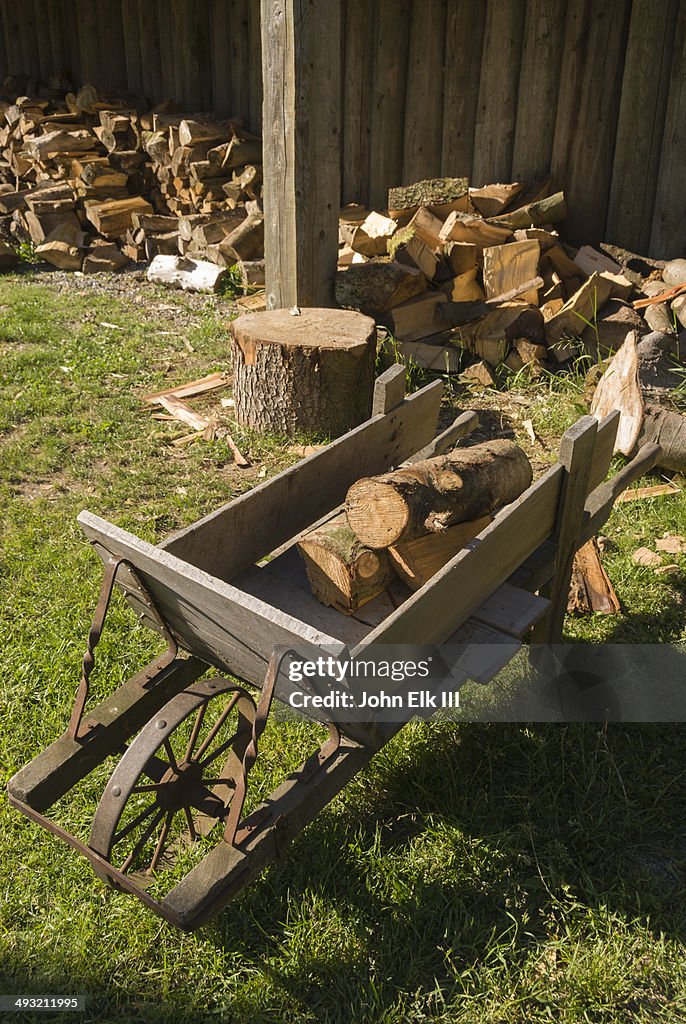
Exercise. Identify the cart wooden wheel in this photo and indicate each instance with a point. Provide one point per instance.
(177, 778)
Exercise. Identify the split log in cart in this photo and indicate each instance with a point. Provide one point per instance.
(188, 744)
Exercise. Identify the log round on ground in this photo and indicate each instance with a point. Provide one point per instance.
(665, 427)
(431, 496)
(313, 371)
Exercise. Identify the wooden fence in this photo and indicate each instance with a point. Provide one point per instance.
(592, 91)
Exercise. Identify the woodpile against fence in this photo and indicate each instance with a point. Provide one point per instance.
(93, 181)
(478, 280)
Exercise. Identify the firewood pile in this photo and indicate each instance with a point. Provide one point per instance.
(478, 280)
(407, 524)
(93, 181)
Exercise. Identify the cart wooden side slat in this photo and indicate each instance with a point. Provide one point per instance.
(234, 537)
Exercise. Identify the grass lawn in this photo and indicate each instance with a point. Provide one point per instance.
(474, 873)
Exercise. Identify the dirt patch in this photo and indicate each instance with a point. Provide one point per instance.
(503, 414)
(30, 490)
(127, 285)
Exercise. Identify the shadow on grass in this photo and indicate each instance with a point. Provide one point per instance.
(663, 625)
(474, 832)
(458, 844)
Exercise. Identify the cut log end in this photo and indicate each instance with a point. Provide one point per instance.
(341, 572)
(433, 495)
(377, 513)
(313, 370)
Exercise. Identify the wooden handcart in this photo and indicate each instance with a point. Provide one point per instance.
(218, 600)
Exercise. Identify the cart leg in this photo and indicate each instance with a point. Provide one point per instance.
(576, 455)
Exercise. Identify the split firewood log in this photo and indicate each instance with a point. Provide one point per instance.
(245, 242)
(590, 588)
(416, 561)
(545, 211)
(639, 382)
(430, 496)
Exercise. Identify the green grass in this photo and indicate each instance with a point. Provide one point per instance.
(485, 874)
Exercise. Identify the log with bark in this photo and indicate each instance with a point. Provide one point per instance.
(545, 211)
(434, 193)
(342, 572)
(433, 495)
(377, 287)
(309, 369)
(184, 273)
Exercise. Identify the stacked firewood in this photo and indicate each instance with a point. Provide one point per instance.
(475, 276)
(93, 181)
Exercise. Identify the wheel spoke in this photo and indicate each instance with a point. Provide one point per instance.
(216, 727)
(153, 787)
(170, 754)
(191, 823)
(195, 732)
(221, 749)
(219, 782)
(134, 823)
(143, 840)
(161, 841)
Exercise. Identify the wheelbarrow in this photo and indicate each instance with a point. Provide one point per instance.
(230, 593)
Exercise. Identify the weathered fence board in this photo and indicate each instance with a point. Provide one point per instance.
(391, 45)
(590, 85)
(592, 90)
(424, 85)
(85, 24)
(497, 104)
(640, 128)
(357, 80)
(668, 236)
(464, 34)
(151, 58)
(132, 46)
(539, 85)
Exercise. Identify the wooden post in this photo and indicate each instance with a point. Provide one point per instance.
(301, 113)
(576, 455)
(389, 390)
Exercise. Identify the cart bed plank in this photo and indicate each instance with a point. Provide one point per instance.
(509, 609)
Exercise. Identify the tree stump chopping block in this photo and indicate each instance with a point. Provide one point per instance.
(312, 372)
